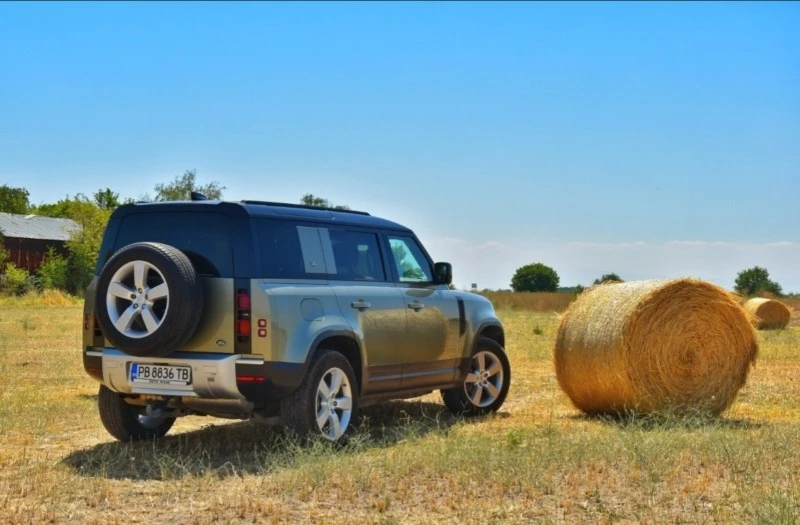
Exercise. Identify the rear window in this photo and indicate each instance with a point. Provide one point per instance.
(203, 237)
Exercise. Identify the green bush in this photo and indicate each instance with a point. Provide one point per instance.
(54, 271)
(3, 253)
(535, 277)
(16, 281)
(80, 268)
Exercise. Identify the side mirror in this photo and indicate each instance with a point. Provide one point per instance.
(442, 273)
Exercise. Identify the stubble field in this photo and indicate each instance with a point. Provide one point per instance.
(538, 460)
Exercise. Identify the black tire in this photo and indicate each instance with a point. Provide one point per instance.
(460, 400)
(178, 314)
(299, 410)
(127, 422)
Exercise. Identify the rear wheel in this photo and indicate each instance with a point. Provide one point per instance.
(486, 385)
(127, 422)
(326, 404)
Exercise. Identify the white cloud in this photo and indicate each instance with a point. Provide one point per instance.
(608, 246)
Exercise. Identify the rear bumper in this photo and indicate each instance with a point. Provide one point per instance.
(214, 376)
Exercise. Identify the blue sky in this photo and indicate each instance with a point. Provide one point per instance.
(649, 139)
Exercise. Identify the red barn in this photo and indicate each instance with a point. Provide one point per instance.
(26, 238)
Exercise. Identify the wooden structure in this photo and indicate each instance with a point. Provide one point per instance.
(26, 238)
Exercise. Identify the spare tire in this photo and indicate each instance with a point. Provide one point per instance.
(149, 299)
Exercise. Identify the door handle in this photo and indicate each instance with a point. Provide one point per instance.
(416, 306)
(360, 305)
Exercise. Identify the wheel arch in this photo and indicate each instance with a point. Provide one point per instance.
(346, 343)
(493, 331)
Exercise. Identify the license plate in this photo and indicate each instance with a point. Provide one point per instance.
(161, 374)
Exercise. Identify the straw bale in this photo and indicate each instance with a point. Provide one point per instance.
(768, 313)
(656, 346)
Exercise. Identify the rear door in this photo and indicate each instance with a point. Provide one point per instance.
(369, 301)
(206, 240)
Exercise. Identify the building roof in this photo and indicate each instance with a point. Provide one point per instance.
(36, 227)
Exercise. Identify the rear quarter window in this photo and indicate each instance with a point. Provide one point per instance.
(203, 237)
(290, 251)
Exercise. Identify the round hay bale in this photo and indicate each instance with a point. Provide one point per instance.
(768, 313)
(677, 346)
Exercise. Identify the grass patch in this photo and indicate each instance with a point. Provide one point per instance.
(538, 460)
(40, 299)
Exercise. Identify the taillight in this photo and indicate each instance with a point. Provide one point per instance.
(243, 327)
(242, 315)
(97, 331)
(243, 301)
(86, 320)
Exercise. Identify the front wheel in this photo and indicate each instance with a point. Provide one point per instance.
(127, 422)
(326, 403)
(486, 384)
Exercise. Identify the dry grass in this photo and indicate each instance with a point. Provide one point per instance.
(539, 460)
(37, 299)
(792, 302)
(531, 301)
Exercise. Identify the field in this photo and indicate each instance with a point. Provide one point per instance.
(538, 460)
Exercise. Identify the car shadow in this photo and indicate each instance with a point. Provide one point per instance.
(236, 449)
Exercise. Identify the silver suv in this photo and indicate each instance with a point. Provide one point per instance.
(278, 312)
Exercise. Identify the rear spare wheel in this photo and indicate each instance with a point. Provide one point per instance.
(149, 299)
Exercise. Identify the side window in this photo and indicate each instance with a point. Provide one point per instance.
(410, 261)
(289, 251)
(356, 255)
(311, 249)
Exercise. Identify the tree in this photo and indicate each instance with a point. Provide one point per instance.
(608, 277)
(755, 280)
(107, 199)
(14, 200)
(181, 188)
(535, 277)
(310, 200)
(83, 244)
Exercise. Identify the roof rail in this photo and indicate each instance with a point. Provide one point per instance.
(304, 206)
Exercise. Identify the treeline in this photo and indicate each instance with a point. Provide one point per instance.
(538, 277)
(72, 271)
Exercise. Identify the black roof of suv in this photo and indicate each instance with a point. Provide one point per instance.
(264, 209)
